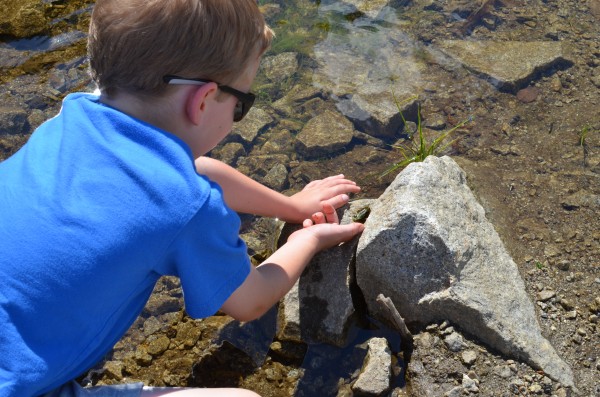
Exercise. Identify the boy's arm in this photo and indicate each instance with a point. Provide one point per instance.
(243, 194)
(269, 282)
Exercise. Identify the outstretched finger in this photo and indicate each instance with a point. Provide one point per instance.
(330, 213)
(338, 201)
(318, 218)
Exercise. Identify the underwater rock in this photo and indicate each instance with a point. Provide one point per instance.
(12, 121)
(249, 128)
(509, 65)
(24, 18)
(364, 82)
(325, 134)
(428, 246)
(281, 66)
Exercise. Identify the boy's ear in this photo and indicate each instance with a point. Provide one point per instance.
(197, 101)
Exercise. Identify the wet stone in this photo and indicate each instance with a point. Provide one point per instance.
(325, 134)
(231, 152)
(12, 121)
(280, 66)
(527, 95)
(276, 178)
(255, 121)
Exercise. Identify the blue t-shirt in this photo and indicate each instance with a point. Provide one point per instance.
(93, 210)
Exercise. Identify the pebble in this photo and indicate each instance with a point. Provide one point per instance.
(528, 94)
(535, 389)
(503, 371)
(454, 342)
(469, 357)
(546, 295)
(470, 385)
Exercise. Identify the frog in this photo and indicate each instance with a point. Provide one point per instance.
(362, 214)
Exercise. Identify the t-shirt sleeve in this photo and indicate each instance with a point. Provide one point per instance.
(210, 257)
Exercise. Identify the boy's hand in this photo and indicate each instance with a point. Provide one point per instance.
(324, 229)
(332, 190)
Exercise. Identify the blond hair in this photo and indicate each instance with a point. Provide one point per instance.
(134, 43)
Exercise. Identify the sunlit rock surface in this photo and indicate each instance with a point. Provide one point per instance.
(428, 246)
(374, 379)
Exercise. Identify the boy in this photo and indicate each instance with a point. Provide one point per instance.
(114, 192)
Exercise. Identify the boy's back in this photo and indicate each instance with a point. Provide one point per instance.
(90, 219)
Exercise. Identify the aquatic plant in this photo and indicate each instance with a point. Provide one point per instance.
(416, 149)
(582, 142)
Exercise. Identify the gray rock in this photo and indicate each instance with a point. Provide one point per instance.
(545, 295)
(581, 199)
(454, 342)
(470, 385)
(374, 379)
(319, 306)
(508, 64)
(428, 246)
(325, 134)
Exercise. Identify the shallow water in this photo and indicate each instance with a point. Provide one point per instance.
(346, 57)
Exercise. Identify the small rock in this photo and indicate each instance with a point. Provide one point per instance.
(469, 357)
(158, 345)
(503, 371)
(535, 389)
(546, 295)
(572, 315)
(528, 95)
(114, 369)
(470, 385)
(563, 265)
(376, 374)
(454, 342)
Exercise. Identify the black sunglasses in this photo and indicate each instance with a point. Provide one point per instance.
(245, 99)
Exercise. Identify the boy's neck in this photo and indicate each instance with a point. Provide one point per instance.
(156, 112)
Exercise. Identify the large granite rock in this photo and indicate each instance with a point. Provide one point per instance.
(428, 246)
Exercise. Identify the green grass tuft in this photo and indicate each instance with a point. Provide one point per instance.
(417, 148)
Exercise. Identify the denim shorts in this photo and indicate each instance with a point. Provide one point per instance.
(73, 389)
